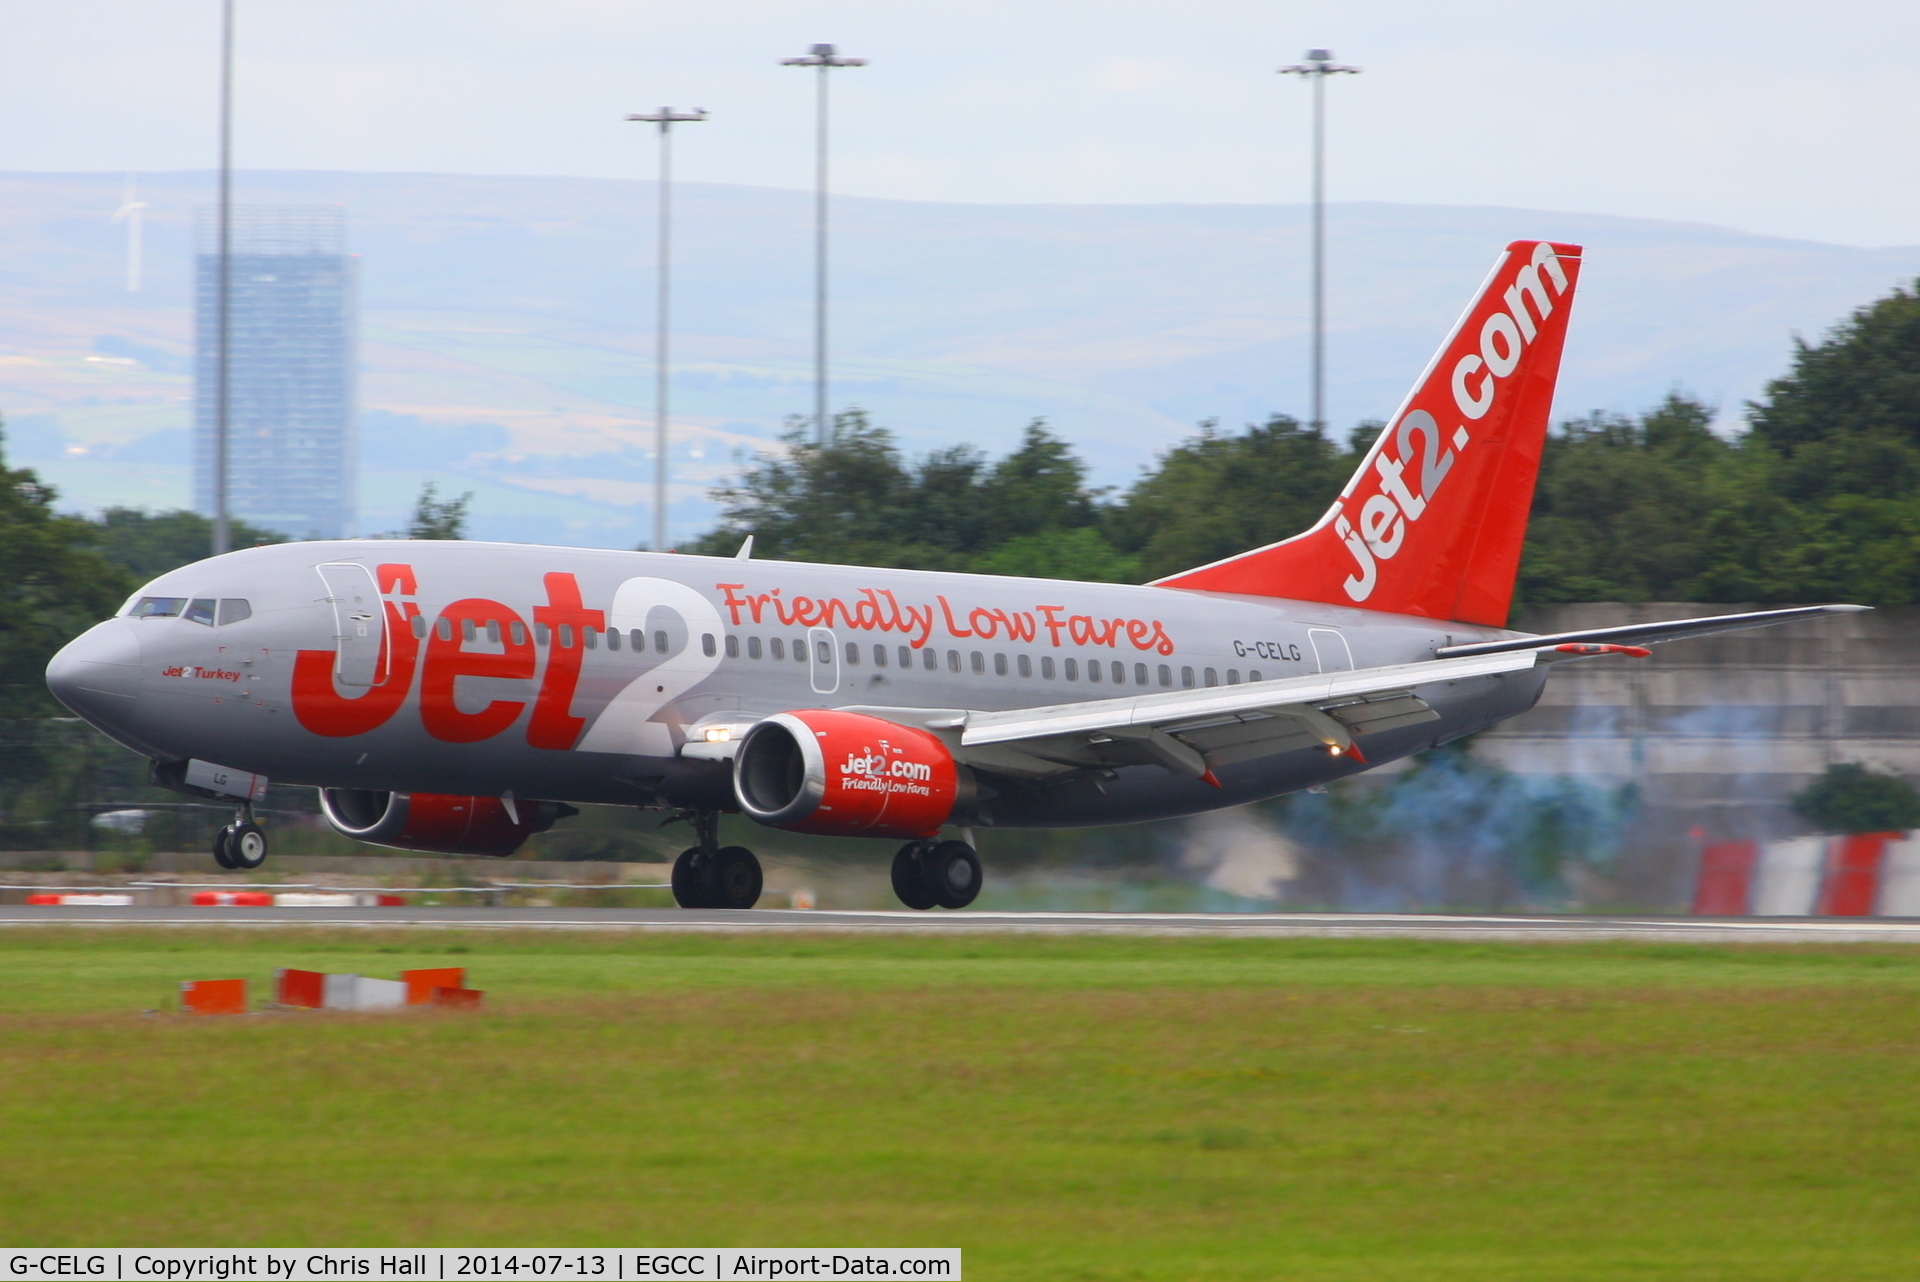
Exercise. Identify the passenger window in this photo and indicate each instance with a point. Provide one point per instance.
(707, 646)
(1046, 666)
(541, 634)
(1026, 665)
(1186, 678)
(467, 631)
(1119, 673)
(159, 607)
(418, 626)
(930, 659)
(493, 631)
(1166, 675)
(799, 650)
(906, 656)
(853, 654)
(733, 646)
(200, 610)
(823, 652)
(1093, 670)
(443, 628)
(953, 661)
(1073, 669)
(753, 647)
(638, 640)
(999, 665)
(233, 610)
(591, 636)
(1254, 675)
(1140, 674)
(1213, 678)
(879, 656)
(518, 631)
(979, 662)
(565, 635)
(777, 648)
(613, 638)
(1233, 676)
(660, 642)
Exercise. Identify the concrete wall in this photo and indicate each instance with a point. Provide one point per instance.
(1719, 732)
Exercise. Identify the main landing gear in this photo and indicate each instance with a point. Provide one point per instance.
(929, 874)
(710, 875)
(241, 844)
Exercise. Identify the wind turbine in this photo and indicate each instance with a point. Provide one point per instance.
(130, 210)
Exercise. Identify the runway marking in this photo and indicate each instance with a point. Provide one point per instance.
(1267, 925)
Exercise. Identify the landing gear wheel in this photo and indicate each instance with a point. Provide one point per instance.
(693, 879)
(246, 845)
(910, 877)
(952, 873)
(220, 855)
(734, 879)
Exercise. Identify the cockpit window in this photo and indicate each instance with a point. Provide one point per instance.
(200, 610)
(233, 609)
(159, 607)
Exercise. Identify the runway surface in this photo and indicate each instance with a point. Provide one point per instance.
(1327, 925)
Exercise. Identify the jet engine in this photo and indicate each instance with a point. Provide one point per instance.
(847, 774)
(433, 821)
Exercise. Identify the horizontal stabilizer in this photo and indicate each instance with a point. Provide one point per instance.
(1649, 633)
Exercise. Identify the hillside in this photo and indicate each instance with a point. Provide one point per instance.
(507, 326)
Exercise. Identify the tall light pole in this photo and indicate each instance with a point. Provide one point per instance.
(222, 532)
(1318, 66)
(666, 118)
(823, 57)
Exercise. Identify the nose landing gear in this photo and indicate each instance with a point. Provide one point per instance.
(241, 844)
(710, 875)
(945, 874)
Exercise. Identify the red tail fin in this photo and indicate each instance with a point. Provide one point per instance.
(1433, 521)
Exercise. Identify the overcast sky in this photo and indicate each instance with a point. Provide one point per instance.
(1791, 119)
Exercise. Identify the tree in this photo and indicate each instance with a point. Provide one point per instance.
(55, 582)
(148, 544)
(1849, 798)
(856, 499)
(1215, 495)
(437, 518)
(1863, 379)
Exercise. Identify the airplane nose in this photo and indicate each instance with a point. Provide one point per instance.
(97, 674)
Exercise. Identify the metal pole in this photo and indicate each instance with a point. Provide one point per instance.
(666, 118)
(824, 58)
(222, 533)
(1317, 68)
(820, 262)
(660, 341)
(1319, 251)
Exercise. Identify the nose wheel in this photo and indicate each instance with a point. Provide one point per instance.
(946, 874)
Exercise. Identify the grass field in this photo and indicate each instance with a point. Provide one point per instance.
(1060, 1108)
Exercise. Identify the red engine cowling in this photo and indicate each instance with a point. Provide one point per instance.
(436, 822)
(846, 774)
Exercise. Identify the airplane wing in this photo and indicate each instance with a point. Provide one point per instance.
(1189, 732)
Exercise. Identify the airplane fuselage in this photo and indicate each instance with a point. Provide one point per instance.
(580, 675)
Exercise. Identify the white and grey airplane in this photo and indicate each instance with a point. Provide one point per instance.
(455, 696)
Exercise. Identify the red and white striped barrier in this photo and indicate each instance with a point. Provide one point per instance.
(1862, 875)
(83, 901)
(298, 899)
(315, 990)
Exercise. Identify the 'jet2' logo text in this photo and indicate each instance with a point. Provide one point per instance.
(1413, 461)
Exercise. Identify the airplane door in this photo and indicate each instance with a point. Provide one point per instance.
(359, 624)
(1330, 650)
(823, 660)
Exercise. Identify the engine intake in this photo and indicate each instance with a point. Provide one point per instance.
(437, 822)
(847, 774)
